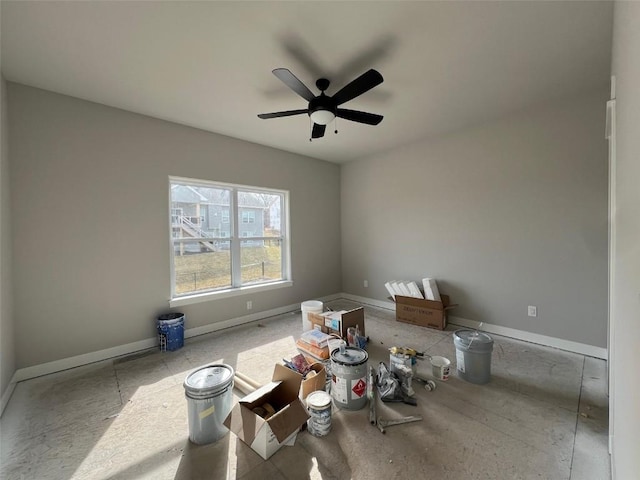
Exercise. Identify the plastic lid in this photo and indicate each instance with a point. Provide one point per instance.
(473, 337)
(318, 399)
(350, 356)
(210, 379)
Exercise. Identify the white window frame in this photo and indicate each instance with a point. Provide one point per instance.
(235, 240)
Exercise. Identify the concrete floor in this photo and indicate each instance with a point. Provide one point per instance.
(543, 415)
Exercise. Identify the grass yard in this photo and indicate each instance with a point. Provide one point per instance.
(209, 270)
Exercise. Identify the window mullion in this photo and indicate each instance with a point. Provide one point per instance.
(236, 270)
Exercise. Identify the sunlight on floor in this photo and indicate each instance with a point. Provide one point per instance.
(266, 354)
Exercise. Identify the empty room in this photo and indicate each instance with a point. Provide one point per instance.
(319, 240)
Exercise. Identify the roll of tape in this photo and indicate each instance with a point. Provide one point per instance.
(269, 409)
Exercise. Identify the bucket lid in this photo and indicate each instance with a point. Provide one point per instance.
(209, 379)
(318, 399)
(473, 337)
(350, 356)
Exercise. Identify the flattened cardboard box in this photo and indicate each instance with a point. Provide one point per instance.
(266, 437)
(426, 313)
(333, 322)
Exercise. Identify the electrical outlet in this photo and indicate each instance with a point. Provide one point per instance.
(532, 311)
(249, 305)
(366, 283)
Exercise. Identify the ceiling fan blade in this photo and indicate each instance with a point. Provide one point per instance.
(291, 81)
(357, 116)
(363, 83)
(318, 130)
(287, 113)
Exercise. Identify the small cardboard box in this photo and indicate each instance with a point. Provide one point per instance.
(426, 313)
(338, 322)
(314, 382)
(266, 437)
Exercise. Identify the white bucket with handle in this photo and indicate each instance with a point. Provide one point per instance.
(310, 306)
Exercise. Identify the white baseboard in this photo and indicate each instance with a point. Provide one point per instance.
(84, 359)
(568, 345)
(129, 348)
(6, 395)
(134, 347)
(575, 347)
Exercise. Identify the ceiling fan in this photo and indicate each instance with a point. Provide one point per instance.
(323, 109)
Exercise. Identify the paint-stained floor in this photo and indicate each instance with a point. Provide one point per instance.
(543, 416)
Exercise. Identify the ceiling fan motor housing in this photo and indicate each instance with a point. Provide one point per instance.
(322, 102)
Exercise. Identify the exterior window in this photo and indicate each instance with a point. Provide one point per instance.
(225, 237)
(248, 216)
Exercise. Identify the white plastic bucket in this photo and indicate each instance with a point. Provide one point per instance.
(310, 306)
(440, 367)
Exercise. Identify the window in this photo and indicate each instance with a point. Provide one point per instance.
(245, 243)
(248, 216)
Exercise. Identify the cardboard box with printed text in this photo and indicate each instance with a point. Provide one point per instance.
(337, 323)
(426, 313)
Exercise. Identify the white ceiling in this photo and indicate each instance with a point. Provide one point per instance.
(446, 65)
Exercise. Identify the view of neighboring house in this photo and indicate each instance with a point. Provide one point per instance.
(204, 212)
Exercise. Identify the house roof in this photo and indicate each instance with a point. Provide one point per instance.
(205, 195)
(446, 65)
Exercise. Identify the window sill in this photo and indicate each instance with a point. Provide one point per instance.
(209, 296)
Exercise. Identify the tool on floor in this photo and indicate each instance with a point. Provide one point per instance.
(429, 385)
(389, 388)
(382, 424)
(372, 396)
(407, 351)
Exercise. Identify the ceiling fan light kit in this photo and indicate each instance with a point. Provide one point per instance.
(322, 116)
(323, 109)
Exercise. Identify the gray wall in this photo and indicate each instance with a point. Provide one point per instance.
(505, 215)
(90, 221)
(7, 337)
(626, 265)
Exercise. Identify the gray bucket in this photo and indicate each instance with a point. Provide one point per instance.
(349, 383)
(209, 392)
(473, 355)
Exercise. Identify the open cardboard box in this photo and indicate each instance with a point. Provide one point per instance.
(266, 437)
(426, 313)
(314, 382)
(338, 322)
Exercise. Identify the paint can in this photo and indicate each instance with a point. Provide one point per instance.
(349, 381)
(319, 408)
(209, 393)
(473, 355)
